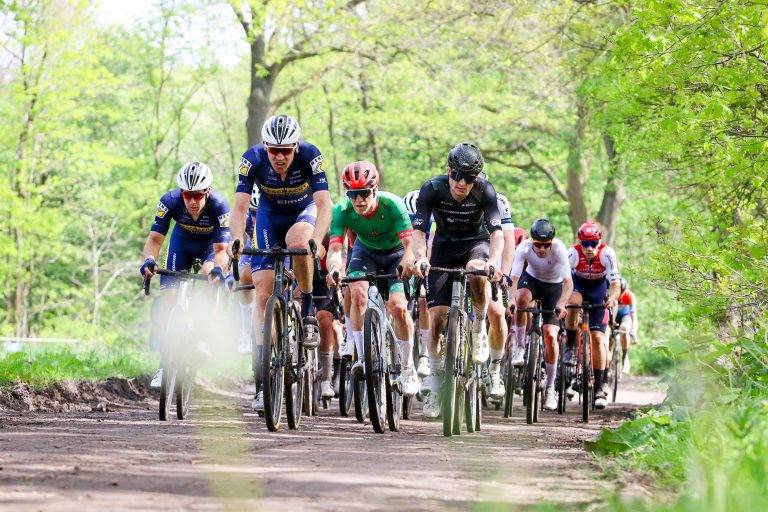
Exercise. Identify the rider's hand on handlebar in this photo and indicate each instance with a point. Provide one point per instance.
(216, 275)
(421, 268)
(493, 273)
(560, 311)
(332, 277)
(230, 282)
(230, 252)
(148, 268)
(320, 251)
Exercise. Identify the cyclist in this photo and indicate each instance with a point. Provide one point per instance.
(201, 232)
(329, 326)
(546, 278)
(626, 318)
(497, 322)
(294, 207)
(595, 271)
(246, 296)
(422, 368)
(468, 234)
(383, 228)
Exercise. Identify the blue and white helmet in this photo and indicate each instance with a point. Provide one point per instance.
(410, 201)
(194, 176)
(254, 203)
(280, 130)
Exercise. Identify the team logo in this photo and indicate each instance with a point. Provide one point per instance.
(224, 220)
(244, 167)
(317, 165)
(495, 222)
(161, 210)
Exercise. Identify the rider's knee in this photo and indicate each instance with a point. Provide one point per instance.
(296, 239)
(398, 307)
(358, 295)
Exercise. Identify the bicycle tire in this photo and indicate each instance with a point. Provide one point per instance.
(295, 380)
(183, 394)
(562, 384)
(309, 404)
(375, 370)
(360, 396)
(509, 382)
(586, 388)
(168, 381)
(538, 403)
(448, 390)
(470, 403)
(346, 385)
(616, 370)
(529, 380)
(273, 370)
(167, 390)
(394, 396)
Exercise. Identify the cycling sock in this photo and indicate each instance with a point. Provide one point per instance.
(479, 315)
(357, 337)
(347, 323)
(599, 376)
(496, 355)
(520, 335)
(326, 365)
(257, 373)
(306, 304)
(571, 338)
(246, 312)
(423, 342)
(550, 374)
(406, 352)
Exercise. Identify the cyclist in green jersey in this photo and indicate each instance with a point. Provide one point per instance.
(383, 229)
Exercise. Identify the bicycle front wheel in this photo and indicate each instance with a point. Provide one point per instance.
(616, 370)
(272, 363)
(530, 378)
(586, 377)
(183, 393)
(376, 371)
(394, 396)
(346, 385)
(448, 392)
(174, 333)
(295, 377)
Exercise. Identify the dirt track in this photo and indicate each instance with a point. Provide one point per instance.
(224, 459)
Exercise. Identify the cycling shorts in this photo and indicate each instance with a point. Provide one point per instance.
(593, 291)
(271, 229)
(182, 253)
(321, 294)
(547, 293)
(453, 254)
(363, 260)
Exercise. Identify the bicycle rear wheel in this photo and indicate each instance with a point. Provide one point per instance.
(530, 383)
(471, 401)
(538, 402)
(375, 370)
(586, 371)
(272, 363)
(394, 396)
(184, 383)
(615, 370)
(448, 391)
(510, 384)
(360, 395)
(295, 377)
(346, 385)
(563, 377)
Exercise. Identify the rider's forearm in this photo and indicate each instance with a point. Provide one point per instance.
(508, 256)
(334, 260)
(633, 330)
(565, 294)
(419, 244)
(512, 290)
(497, 244)
(237, 216)
(153, 244)
(614, 291)
(323, 222)
(220, 257)
(407, 258)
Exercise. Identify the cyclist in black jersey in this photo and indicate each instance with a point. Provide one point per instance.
(468, 234)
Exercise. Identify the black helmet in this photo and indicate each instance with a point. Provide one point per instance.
(542, 230)
(623, 284)
(465, 157)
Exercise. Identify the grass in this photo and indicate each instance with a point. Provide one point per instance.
(43, 367)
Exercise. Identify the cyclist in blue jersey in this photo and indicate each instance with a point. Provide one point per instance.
(201, 231)
(294, 207)
(246, 296)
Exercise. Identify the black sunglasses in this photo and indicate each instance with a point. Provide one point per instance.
(459, 175)
(360, 192)
(590, 243)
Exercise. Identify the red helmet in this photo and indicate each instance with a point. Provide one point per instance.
(589, 231)
(359, 175)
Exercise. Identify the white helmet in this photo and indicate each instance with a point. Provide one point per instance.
(254, 204)
(194, 176)
(280, 130)
(410, 201)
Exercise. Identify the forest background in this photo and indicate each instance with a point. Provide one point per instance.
(649, 116)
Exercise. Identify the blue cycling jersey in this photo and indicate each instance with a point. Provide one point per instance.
(212, 225)
(305, 176)
(250, 224)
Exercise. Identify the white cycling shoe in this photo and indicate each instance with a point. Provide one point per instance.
(408, 382)
(625, 367)
(423, 367)
(258, 402)
(244, 344)
(157, 379)
(431, 406)
(326, 389)
(518, 356)
(497, 387)
(601, 401)
(480, 348)
(550, 402)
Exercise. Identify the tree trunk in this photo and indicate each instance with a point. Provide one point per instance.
(331, 137)
(262, 81)
(613, 194)
(372, 142)
(576, 170)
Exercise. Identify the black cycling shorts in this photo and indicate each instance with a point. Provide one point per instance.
(321, 294)
(364, 260)
(453, 254)
(593, 291)
(547, 293)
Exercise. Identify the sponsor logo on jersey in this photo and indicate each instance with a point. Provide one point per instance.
(224, 220)
(285, 191)
(244, 167)
(161, 210)
(495, 222)
(317, 165)
(198, 230)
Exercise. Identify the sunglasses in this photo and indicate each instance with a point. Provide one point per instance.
(362, 192)
(458, 176)
(189, 196)
(590, 243)
(280, 150)
(540, 245)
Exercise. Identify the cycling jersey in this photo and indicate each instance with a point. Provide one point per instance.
(603, 266)
(472, 218)
(520, 235)
(211, 226)
(553, 268)
(304, 177)
(504, 212)
(381, 230)
(626, 303)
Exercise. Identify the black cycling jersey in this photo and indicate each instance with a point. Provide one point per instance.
(473, 218)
